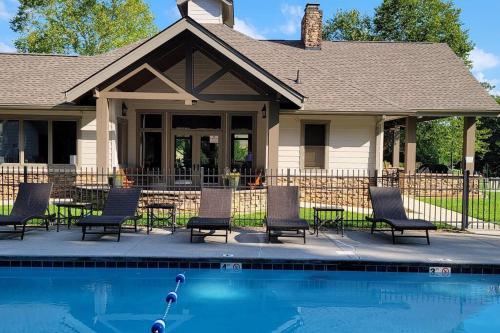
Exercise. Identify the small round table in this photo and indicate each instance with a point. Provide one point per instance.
(338, 221)
(84, 207)
(168, 215)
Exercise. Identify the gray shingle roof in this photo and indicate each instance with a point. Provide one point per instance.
(342, 77)
(368, 76)
(41, 80)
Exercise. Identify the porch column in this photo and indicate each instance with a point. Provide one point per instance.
(379, 144)
(273, 133)
(469, 145)
(411, 145)
(396, 147)
(102, 136)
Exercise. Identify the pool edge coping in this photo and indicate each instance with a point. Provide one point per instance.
(246, 264)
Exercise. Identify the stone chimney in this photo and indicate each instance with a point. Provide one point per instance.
(312, 27)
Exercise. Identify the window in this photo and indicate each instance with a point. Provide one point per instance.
(9, 141)
(314, 145)
(241, 151)
(241, 142)
(242, 123)
(151, 144)
(196, 122)
(63, 141)
(36, 141)
(151, 121)
(36, 136)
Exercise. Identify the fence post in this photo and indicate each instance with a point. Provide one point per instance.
(465, 200)
(202, 176)
(288, 177)
(113, 183)
(25, 173)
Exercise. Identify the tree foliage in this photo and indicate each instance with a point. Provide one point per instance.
(85, 27)
(404, 20)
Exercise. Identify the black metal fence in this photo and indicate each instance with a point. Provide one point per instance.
(455, 201)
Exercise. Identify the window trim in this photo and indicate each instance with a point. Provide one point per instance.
(302, 153)
(49, 121)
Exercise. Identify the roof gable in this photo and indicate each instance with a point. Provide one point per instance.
(163, 37)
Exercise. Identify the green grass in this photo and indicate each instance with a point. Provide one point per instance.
(485, 208)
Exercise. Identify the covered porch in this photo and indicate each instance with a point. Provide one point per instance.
(183, 107)
(404, 154)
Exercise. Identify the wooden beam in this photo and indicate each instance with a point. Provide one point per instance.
(102, 137)
(212, 79)
(273, 132)
(469, 144)
(148, 96)
(379, 145)
(396, 146)
(189, 67)
(411, 145)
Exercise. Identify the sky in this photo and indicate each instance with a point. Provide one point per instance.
(280, 19)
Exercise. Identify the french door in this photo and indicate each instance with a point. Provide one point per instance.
(194, 150)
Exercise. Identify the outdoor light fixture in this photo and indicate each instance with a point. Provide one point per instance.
(264, 112)
(124, 110)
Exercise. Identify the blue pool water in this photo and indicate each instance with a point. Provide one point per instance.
(103, 300)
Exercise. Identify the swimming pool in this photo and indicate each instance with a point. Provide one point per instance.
(129, 300)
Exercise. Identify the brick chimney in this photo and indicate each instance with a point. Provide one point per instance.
(312, 27)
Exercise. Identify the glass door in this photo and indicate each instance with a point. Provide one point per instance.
(194, 150)
(209, 157)
(183, 159)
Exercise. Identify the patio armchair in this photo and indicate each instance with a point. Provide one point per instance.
(31, 203)
(120, 206)
(215, 213)
(388, 208)
(282, 219)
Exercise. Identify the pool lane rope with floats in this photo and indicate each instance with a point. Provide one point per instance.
(159, 325)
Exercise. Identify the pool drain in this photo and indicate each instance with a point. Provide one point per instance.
(159, 325)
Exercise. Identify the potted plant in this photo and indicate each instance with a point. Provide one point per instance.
(232, 178)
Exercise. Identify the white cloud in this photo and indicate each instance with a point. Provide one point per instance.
(293, 15)
(6, 48)
(483, 60)
(247, 29)
(481, 77)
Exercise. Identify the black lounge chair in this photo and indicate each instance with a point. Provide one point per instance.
(215, 213)
(283, 213)
(388, 208)
(31, 203)
(121, 206)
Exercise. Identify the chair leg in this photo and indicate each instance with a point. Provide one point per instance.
(304, 236)
(428, 239)
(84, 229)
(119, 232)
(226, 235)
(393, 236)
(47, 224)
(191, 239)
(135, 225)
(23, 230)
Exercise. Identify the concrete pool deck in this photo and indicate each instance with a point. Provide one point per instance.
(246, 244)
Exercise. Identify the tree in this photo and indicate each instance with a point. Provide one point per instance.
(489, 162)
(349, 25)
(85, 27)
(407, 21)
